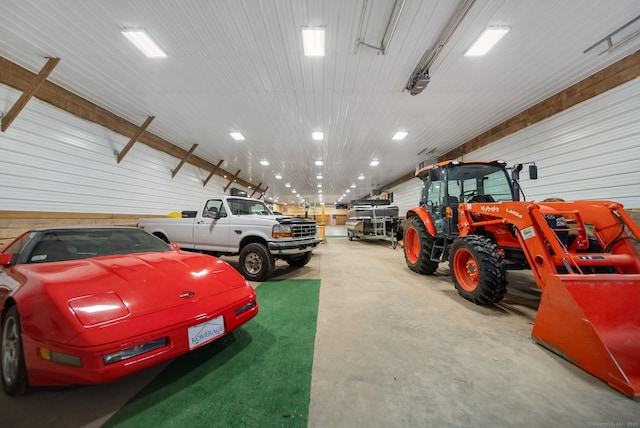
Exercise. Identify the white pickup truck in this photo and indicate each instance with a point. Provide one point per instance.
(230, 225)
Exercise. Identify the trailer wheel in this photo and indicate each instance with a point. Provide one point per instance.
(298, 261)
(417, 247)
(13, 368)
(478, 271)
(256, 263)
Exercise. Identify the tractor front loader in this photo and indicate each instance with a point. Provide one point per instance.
(581, 254)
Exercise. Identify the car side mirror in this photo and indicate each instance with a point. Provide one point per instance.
(533, 172)
(5, 259)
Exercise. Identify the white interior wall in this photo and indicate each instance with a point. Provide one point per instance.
(51, 160)
(589, 151)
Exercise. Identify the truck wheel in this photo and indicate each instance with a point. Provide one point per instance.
(299, 261)
(417, 247)
(256, 263)
(478, 271)
(13, 368)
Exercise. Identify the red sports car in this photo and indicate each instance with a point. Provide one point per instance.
(93, 304)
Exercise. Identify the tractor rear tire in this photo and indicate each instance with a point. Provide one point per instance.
(417, 247)
(478, 271)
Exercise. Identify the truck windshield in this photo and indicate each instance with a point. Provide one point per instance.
(247, 207)
(479, 183)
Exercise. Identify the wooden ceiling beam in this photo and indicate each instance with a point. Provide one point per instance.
(29, 92)
(256, 189)
(235, 177)
(21, 79)
(183, 160)
(137, 135)
(205, 181)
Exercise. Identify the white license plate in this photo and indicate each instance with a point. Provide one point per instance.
(206, 332)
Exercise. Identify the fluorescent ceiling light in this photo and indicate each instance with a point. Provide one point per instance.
(353, 186)
(313, 41)
(237, 136)
(319, 163)
(488, 39)
(317, 135)
(287, 185)
(361, 177)
(348, 191)
(399, 135)
(264, 162)
(319, 177)
(143, 42)
(278, 177)
(374, 163)
(318, 185)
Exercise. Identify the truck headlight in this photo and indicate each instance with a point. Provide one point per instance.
(282, 231)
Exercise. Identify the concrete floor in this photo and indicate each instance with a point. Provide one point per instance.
(397, 349)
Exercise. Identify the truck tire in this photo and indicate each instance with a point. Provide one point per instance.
(13, 368)
(478, 271)
(417, 247)
(299, 260)
(256, 263)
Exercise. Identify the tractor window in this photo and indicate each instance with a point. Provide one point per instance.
(479, 183)
(432, 197)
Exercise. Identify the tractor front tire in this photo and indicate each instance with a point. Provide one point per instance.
(478, 271)
(417, 247)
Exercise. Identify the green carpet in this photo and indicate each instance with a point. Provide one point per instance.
(258, 376)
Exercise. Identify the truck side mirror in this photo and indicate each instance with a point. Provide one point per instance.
(533, 172)
(211, 212)
(433, 174)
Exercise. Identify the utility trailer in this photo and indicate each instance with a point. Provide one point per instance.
(372, 219)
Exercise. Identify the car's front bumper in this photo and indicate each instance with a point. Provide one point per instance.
(94, 370)
(299, 246)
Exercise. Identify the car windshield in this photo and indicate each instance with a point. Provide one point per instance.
(75, 244)
(248, 207)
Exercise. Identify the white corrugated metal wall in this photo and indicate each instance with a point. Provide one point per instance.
(590, 151)
(54, 161)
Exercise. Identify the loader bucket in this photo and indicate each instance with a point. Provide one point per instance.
(594, 322)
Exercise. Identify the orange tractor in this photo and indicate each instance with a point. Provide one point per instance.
(581, 253)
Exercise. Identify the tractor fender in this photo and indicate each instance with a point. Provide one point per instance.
(424, 215)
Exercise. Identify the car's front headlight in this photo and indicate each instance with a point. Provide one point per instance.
(98, 308)
(282, 231)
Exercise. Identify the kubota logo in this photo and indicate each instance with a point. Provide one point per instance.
(492, 209)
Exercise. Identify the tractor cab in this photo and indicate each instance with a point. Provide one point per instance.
(446, 184)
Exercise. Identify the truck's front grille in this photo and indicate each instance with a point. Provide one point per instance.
(304, 230)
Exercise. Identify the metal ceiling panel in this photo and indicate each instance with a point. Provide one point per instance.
(238, 66)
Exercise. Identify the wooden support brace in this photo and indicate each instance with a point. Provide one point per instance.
(175, 171)
(256, 189)
(204, 182)
(137, 135)
(28, 93)
(231, 181)
(264, 191)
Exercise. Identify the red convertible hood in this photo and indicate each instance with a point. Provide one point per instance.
(145, 282)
